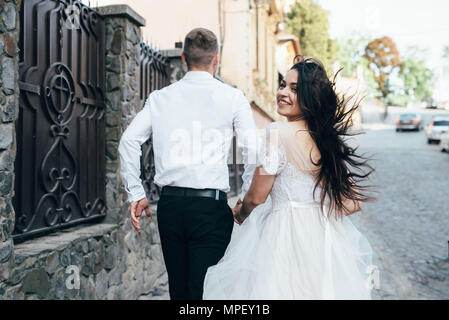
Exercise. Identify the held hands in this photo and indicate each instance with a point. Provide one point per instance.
(136, 208)
(236, 212)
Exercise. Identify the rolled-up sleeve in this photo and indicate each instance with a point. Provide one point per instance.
(137, 133)
(247, 137)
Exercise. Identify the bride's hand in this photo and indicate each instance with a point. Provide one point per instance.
(236, 212)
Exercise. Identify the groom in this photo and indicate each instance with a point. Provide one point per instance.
(192, 122)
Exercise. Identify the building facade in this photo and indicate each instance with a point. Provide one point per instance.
(247, 32)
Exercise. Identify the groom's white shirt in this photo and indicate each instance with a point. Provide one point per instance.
(192, 122)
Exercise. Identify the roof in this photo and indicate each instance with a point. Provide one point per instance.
(284, 37)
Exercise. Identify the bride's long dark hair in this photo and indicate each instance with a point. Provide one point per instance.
(329, 117)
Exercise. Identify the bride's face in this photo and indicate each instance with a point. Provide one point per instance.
(286, 97)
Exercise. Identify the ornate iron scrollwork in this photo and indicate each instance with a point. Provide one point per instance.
(60, 164)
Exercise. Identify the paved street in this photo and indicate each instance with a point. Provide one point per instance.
(408, 226)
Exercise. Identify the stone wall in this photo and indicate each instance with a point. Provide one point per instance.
(112, 260)
(9, 106)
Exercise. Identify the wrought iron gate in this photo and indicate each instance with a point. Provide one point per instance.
(60, 162)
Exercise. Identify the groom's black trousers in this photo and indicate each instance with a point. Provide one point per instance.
(195, 232)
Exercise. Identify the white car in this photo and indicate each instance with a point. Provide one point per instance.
(444, 143)
(437, 127)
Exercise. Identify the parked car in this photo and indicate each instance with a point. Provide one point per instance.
(437, 127)
(408, 121)
(432, 105)
(444, 143)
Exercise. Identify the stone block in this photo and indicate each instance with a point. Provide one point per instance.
(92, 244)
(87, 288)
(5, 251)
(6, 179)
(36, 281)
(52, 262)
(88, 264)
(112, 119)
(65, 258)
(117, 41)
(113, 293)
(99, 258)
(110, 257)
(132, 33)
(76, 259)
(113, 64)
(112, 134)
(10, 45)
(14, 293)
(9, 17)
(8, 110)
(5, 271)
(112, 150)
(6, 163)
(101, 284)
(113, 100)
(8, 76)
(6, 136)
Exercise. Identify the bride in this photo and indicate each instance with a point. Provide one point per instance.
(288, 245)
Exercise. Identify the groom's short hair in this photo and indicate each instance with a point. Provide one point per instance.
(200, 47)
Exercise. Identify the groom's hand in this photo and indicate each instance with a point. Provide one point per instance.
(136, 208)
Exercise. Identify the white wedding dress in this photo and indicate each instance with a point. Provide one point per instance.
(287, 248)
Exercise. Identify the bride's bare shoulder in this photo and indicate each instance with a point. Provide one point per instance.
(308, 145)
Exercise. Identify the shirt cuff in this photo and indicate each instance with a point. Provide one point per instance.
(135, 193)
(242, 195)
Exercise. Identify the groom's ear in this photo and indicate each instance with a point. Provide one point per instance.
(183, 56)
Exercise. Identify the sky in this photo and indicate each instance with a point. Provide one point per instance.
(407, 22)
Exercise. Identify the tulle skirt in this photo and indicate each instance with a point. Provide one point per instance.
(292, 253)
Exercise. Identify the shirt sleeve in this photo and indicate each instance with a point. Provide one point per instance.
(137, 133)
(248, 137)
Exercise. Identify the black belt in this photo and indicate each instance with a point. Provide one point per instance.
(189, 192)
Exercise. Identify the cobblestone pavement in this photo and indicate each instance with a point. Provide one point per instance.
(408, 226)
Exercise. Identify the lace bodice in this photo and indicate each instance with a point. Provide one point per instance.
(291, 184)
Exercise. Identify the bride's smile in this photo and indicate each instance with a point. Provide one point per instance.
(286, 96)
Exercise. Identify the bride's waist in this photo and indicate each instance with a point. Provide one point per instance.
(296, 204)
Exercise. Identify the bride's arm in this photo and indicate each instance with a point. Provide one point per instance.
(257, 193)
(351, 206)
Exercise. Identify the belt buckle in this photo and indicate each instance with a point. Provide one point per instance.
(217, 193)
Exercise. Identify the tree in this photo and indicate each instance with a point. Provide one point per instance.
(309, 22)
(446, 58)
(416, 75)
(351, 58)
(351, 51)
(383, 58)
(446, 52)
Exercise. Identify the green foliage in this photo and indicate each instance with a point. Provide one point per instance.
(351, 59)
(398, 100)
(446, 52)
(351, 53)
(371, 86)
(416, 76)
(309, 22)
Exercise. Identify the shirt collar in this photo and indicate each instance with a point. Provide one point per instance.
(198, 75)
